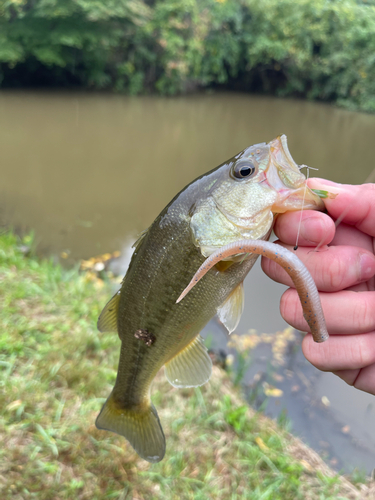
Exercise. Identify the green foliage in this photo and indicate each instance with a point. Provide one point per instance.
(89, 39)
(320, 50)
(324, 50)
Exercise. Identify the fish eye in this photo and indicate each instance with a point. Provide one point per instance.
(244, 169)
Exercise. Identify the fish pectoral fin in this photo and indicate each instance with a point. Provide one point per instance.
(229, 313)
(140, 426)
(107, 321)
(191, 367)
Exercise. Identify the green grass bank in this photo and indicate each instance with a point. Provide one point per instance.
(56, 370)
(319, 50)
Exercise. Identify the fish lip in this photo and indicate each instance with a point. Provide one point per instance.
(301, 199)
(282, 139)
(280, 155)
(295, 198)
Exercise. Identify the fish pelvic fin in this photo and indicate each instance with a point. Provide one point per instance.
(139, 425)
(229, 313)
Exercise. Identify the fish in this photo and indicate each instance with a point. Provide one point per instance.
(238, 200)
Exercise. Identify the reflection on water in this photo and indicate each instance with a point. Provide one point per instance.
(89, 172)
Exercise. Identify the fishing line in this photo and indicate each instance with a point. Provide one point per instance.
(337, 223)
(303, 202)
(244, 257)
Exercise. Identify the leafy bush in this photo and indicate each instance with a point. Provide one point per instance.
(321, 50)
(324, 49)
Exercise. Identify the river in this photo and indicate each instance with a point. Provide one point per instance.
(88, 172)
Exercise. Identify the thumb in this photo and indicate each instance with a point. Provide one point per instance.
(353, 204)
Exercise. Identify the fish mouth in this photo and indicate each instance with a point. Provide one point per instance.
(284, 175)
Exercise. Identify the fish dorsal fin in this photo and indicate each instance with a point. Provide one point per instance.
(140, 238)
(191, 367)
(229, 313)
(107, 321)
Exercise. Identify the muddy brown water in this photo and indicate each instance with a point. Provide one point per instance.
(88, 172)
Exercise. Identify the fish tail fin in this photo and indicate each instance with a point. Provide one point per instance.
(139, 425)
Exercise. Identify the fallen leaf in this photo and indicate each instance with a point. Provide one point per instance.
(307, 466)
(230, 360)
(14, 405)
(271, 391)
(259, 441)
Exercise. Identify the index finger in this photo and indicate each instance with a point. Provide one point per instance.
(313, 228)
(353, 204)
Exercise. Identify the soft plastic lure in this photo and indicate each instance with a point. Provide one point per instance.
(302, 279)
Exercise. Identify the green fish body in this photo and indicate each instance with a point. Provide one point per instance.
(236, 200)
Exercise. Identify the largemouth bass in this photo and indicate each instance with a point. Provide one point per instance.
(235, 201)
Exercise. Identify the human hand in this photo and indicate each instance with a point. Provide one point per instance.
(343, 268)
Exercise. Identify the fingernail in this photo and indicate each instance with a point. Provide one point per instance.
(312, 229)
(367, 266)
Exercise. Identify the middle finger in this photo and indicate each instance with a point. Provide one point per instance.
(333, 268)
(359, 307)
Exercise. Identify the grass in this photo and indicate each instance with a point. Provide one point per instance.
(56, 370)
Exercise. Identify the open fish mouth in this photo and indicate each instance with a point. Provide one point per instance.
(283, 174)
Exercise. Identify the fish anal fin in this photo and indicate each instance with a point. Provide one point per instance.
(191, 367)
(229, 313)
(107, 321)
(140, 426)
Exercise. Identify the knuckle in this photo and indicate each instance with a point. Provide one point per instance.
(359, 315)
(358, 353)
(290, 308)
(364, 314)
(334, 273)
(317, 357)
(275, 271)
(362, 351)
